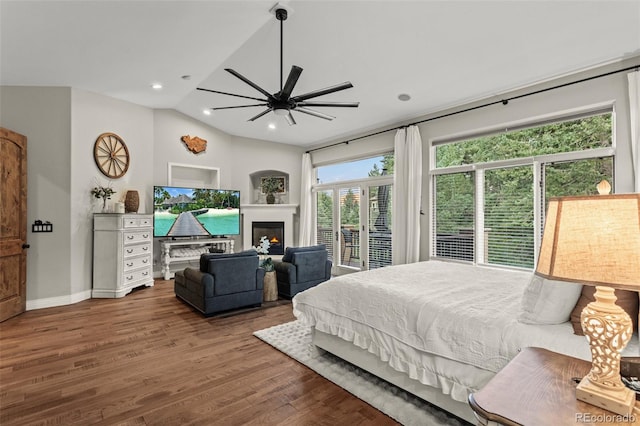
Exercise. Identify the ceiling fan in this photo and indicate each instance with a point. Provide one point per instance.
(282, 103)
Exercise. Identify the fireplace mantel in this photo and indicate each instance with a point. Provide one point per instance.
(281, 207)
(264, 213)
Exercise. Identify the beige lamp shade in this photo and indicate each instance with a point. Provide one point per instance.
(593, 240)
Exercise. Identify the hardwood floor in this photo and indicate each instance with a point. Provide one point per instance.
(148, 359)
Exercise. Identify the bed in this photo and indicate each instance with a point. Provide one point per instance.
(439, 329)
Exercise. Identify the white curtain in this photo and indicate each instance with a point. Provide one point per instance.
(307, 235)
(634, 113)
(407, 190)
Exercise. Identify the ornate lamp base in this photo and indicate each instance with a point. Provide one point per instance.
(619, 402)
(608, 329)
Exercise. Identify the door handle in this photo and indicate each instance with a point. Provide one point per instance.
(25, 246)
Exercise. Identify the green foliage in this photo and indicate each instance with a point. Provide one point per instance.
(388, 161)
(577, 135)
(325, 210)
(350, 209)
(104, 192)
(160, 195)
(508, 191)
(270, 185)
(267, 265)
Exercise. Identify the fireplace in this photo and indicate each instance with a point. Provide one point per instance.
(274, 231)
(268, 213)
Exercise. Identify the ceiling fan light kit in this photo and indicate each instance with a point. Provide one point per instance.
(282, 103)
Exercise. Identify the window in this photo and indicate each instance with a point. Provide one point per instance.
(508, 216)
(490, 192)
(454, 215)
(578, 134)
(356, 169)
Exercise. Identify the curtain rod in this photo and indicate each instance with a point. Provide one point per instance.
(502, 101)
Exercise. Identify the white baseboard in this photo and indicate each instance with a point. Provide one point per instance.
(51, 302)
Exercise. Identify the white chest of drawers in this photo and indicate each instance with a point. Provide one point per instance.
(122, 253)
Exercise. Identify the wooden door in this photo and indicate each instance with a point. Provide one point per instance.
(13, 223)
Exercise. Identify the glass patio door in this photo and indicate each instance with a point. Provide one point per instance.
(349, 231)
(354, 222)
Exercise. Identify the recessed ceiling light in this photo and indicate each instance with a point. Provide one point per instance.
(272, 126)
(186, 77)
(404, 97)
(206, 111)
(156, 86)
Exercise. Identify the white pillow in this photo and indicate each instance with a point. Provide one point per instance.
(548, 301)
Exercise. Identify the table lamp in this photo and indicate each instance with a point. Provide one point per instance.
(595, 240)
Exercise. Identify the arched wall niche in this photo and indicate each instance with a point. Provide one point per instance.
(258, 197)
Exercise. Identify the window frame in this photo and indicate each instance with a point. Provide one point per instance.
(536, 162)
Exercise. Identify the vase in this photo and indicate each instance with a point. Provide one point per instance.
(271, 198)
(131, 202)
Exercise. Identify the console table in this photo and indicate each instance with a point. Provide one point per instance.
(187, 250)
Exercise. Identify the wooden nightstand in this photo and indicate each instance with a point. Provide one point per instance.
(537, 389)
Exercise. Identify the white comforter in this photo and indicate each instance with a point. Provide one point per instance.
(461, 312)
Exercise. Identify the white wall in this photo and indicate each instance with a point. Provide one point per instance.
(43, 115)
(611, 89)
(236, 157)
(61, 125)
(92, 115)
(606, 90)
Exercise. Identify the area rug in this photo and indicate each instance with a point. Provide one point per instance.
(294, 340)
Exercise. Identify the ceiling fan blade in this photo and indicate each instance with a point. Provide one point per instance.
(290, 119)
(266, 111)
(316, 93)
(330, 104)
(239, 106)
(294, 75)
(230, 94)
(314, 113)
(250, 83)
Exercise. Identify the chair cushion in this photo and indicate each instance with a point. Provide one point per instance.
(205, 258)
(288, 253)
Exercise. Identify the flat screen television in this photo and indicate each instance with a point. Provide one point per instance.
(195, 212)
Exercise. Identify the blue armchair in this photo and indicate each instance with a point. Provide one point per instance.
(224, 281)
(302, 268)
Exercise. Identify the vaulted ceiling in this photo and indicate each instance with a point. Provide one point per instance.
(440, 53)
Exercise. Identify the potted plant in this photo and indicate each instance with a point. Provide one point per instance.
(104, 193)
(263, 250)
(270, 285)
(269, 186)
